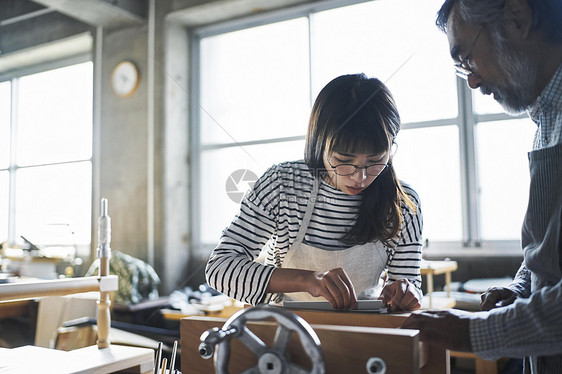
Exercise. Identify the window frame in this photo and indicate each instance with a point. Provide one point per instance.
(13, 77)
(466, 120)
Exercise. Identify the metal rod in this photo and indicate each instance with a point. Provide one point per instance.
(173, 357)
(158, 358)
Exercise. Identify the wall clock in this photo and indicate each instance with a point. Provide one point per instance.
(125, 79)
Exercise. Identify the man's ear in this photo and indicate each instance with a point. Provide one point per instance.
(518, 18)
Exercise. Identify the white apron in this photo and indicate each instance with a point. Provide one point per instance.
(363, 263)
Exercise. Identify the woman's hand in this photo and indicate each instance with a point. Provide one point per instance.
(335, 286)
(401, 295)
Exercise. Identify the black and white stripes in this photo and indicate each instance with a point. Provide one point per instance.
(270, 217)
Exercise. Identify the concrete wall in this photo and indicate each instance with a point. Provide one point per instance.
(124, 143)
(134, 141)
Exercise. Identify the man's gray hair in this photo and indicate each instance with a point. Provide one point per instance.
(547, 15)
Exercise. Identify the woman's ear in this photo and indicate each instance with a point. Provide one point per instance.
(518, 18)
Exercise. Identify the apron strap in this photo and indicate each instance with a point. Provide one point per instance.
(308, 211)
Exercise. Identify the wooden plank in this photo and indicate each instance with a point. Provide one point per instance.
(436, 359)
(481, 366)
(14, 308)
(56, 287)
(438, 267)
(92, 360)
(398, 348)
(88, 360)
(176, 315)
(325, 317)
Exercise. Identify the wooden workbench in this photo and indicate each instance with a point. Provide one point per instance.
(348, 340)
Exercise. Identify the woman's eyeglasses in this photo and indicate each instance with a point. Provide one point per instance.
(349, 169)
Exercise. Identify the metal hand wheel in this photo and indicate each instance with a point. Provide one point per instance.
(271, 359)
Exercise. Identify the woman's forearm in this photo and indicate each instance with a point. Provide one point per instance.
(289, 280)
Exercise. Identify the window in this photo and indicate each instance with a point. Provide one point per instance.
(257, 79)
(503, 173)
(4, 157)
(249, 126)
(435, 176)
(45, 157)
(4, 203)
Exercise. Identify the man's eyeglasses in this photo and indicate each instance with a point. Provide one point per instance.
(463, 68)
(345, 170)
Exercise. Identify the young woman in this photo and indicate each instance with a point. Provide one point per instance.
(333, 223)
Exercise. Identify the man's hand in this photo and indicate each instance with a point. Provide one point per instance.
(335, 286)
(400, 295)
(497, 297)
(446, 328)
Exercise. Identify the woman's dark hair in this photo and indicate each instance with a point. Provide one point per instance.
(356, 114)
(547, 15)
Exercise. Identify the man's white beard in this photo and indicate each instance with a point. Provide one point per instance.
(516, 95)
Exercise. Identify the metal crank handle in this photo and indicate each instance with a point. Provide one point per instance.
(210, 338)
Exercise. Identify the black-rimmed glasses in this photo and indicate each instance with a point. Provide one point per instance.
(463, 68)
(345, 170)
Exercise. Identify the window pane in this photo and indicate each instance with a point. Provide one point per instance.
(219, 202)
(4, 205)
(53, 203)
(395, 41)
(485, 104)
(504, 176)
(428, 160)
(55, 116)
(254, 83)
(5, 111)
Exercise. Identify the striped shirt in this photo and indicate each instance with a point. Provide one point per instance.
(270, 217)
(532, 326)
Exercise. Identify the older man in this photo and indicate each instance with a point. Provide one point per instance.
(512, 49)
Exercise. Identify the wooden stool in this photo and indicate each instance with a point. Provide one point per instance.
(430, 268)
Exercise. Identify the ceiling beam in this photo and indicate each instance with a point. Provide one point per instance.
(38, 30)
(14, 9)
(109, 14)
(196, 13)
(75, 48)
